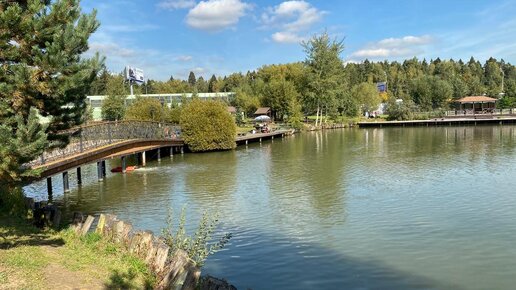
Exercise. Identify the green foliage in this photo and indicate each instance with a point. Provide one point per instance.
(278, 94)
(42, 73)
(295, 116)
(367, 96)
(399, 111)
(207, 126)
(41, 44)
(325, 74)
(113, 108)
(200, 245)
(21, 141)
(146, 109)
(430, 92)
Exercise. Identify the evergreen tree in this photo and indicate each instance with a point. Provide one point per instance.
(192, 79)
(42, 72)
(212, 85)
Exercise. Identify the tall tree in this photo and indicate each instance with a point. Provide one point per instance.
(325, 71)
(191, 79)
(42, 72)
(212, 84)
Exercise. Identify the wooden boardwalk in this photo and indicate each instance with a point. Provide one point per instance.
(258, 137)
(479, 120)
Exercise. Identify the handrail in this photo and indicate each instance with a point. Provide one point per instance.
(91, 136)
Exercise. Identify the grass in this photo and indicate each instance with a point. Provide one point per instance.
(31, 258)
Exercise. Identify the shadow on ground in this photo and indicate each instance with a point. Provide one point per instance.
(16, 232)
(119, 280)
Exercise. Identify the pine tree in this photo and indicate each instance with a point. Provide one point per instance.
(192, 79)
(42, 72)
(212, 84)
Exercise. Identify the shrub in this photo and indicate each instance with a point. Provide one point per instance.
(207, 126)
(400, 111)
(198, 246)
(113, 108)
(146, 109)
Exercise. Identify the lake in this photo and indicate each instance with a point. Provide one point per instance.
(391, 208)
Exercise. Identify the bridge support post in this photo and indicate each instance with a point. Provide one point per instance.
(260, 139)
(99, 171)
(124, 164)
(66, 183)
(159, 154)
(246, 141)
(49, 186)
(182, 149)
(79, 176)
(104, 168)
(144, 161)
(171, 151)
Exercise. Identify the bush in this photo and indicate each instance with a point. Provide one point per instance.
(207, 126)
(146, 109)
(113, 108)
(198, 246)
(400, 111)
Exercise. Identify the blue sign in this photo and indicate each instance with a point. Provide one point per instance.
(382, 87)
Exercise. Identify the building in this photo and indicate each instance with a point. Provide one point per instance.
(96, 101)
(476, 104)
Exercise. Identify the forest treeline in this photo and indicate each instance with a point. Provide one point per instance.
(323, 84)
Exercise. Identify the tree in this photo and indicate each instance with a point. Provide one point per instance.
(43, 73)
(278, 95)
(212, 85)
(430, 92)
(113, 106)
(191, 79)
(147, 109)
(325, 72)
(367, 95)
(207, 126)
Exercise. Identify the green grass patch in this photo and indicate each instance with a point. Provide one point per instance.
(26, 252)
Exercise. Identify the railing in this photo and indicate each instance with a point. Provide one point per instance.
(91, 136)
(487, 111)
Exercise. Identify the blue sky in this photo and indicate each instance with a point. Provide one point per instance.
(174, 37)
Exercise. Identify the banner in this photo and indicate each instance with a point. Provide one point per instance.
(134, 74)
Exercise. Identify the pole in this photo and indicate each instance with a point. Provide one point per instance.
(131, 85)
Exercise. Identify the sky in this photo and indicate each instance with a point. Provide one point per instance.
(173, 37)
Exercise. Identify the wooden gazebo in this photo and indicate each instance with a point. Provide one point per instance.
(476, 104)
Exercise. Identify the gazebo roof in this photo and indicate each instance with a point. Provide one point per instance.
(476, 99)
(262, 111)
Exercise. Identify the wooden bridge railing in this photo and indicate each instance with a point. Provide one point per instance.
(91, 136)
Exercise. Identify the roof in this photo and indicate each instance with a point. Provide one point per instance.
(262, 111)
(476, 99)
(232, 109)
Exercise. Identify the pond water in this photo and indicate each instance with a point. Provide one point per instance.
(392, 208)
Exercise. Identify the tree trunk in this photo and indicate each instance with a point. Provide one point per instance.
(317, 116)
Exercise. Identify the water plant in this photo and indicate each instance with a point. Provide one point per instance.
(201, 244)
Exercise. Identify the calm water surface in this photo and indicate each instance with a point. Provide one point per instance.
(394, 208)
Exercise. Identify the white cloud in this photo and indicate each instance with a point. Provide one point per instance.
(176, 4)
(286, 37)
(292, 18)
(183, 58)
(407, 46)
(130, 28)
(216, 15)
(111, 49)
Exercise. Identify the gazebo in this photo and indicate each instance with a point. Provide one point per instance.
(477, 104)
(263, 111)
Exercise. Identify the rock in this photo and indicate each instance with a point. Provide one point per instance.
(212, 283)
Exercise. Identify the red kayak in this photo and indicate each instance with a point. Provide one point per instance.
(119, 168)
